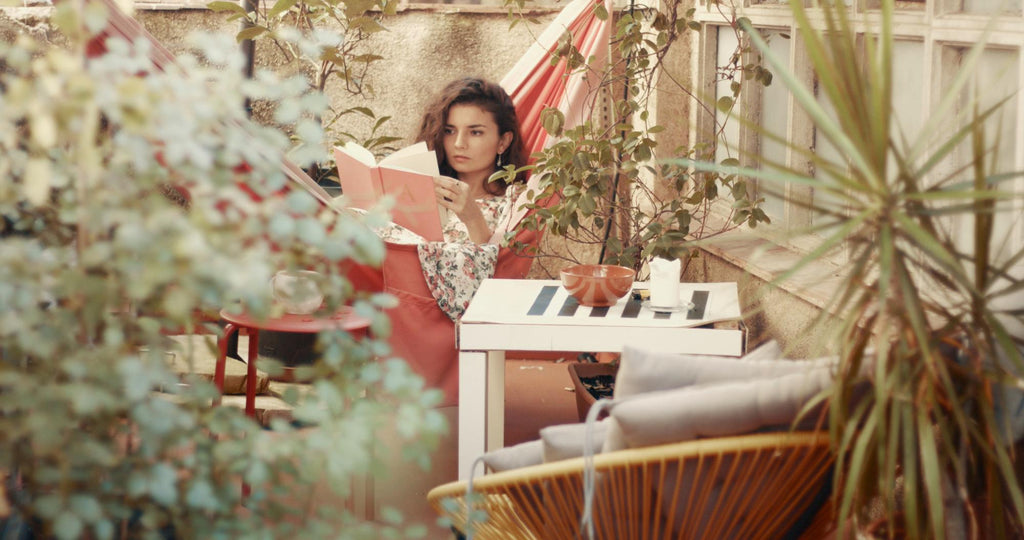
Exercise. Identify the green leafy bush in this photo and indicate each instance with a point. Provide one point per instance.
(101, 256)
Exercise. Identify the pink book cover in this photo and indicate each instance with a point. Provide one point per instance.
(360, 184)
(407, 176)
(415, 204)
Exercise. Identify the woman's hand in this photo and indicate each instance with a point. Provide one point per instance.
(454, 195)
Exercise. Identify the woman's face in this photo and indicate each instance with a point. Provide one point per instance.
(472, 142)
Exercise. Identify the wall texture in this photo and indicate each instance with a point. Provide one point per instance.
(768, 312)
(422, 50)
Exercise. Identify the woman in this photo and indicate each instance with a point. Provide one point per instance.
(472, 128)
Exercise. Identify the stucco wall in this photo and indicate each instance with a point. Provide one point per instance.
(422, 50)
(768, 312)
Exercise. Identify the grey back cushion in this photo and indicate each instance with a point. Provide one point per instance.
(713, 410)
(662, 398)
(641, 371)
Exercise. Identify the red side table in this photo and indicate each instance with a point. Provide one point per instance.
(344, 319)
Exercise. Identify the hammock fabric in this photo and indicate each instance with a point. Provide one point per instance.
(535, 84)
(422, 333)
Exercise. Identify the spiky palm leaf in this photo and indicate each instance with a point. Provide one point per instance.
(915, 314)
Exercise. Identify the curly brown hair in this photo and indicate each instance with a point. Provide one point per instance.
(490, 97)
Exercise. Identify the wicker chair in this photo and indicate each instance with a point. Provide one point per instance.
(773, 485)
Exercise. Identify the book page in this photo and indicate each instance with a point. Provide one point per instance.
(407, 175)
(413, 158)
(357, 152)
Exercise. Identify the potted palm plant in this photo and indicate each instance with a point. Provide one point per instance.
(919, 313)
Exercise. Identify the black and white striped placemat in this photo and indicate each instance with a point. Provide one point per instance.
(553, 301)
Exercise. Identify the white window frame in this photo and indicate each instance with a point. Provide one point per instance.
(934, 23)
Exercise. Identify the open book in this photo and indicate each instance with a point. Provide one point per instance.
(407, 175)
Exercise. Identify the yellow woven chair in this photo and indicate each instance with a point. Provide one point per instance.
(752, 486)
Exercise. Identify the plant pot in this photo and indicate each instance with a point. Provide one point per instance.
(591, 381)
(292, 349)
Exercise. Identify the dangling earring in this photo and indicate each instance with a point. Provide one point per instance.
(499, 161)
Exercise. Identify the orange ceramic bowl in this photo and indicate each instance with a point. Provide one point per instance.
(597, 285)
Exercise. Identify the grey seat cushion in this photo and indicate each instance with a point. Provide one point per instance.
(568, 441)
(556, 443)
(513, 457)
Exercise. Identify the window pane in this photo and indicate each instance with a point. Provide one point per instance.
(775, 120)
(908, 72)
(901, 5)
(988, 7)
(999, 71)
(826, 151)
(727, 44)
(908, 109)
(774, 116)
(997, 77)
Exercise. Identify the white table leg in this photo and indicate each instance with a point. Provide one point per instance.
(495, 400)
(481, 406)
(472, 409)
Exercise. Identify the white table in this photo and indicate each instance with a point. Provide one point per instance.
(539, 315)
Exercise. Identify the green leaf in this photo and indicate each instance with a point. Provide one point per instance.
(932, 471)
(221, 6)
(250, 33)
(280, 7)
(49, 506)
(366, 24)
(162, 484)
(552, 120)
(87, 507)
(68, 525)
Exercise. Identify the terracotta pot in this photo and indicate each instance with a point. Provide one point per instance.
(580, 371)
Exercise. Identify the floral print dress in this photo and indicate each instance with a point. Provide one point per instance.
(454, 269)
